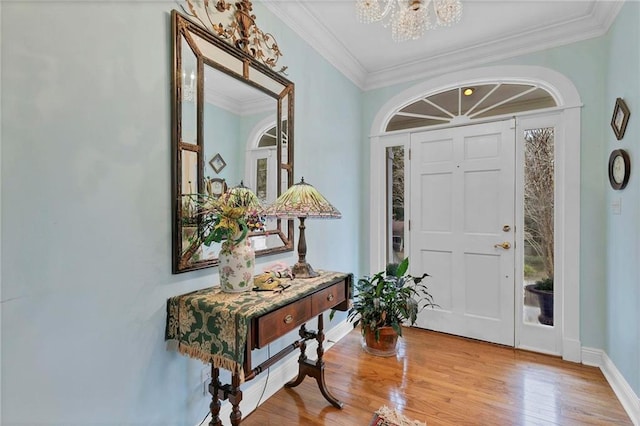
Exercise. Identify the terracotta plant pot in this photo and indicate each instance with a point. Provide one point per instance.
(385, 345)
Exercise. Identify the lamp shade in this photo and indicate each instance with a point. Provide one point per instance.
(241, 196)
(301, 201)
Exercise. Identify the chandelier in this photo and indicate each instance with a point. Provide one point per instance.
(188, 87)
(409, 19)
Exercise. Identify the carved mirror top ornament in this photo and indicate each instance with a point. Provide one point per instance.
(234, 23)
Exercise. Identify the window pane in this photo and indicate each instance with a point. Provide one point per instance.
(395, 204)
(261, 179)
(481, 101)
(537, 99)
(538, 225)
(268, 138)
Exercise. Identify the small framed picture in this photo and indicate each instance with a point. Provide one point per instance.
(217, 163)
(216, 187)
(620, 118)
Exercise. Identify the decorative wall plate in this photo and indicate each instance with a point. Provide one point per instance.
(619, 168)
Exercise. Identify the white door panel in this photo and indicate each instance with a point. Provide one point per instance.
(462, 194)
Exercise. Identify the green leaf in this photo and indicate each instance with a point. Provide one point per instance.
(397, 328)
(403, 267)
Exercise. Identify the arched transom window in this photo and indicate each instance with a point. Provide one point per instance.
(268, 137)
(466, 103)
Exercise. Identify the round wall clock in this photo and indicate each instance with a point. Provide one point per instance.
(619, 168)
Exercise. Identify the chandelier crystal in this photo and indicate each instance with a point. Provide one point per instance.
(188, 87)
(409, 19)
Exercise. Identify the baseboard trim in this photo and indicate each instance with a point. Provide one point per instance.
(592, 357)
(627, 397)
(571, 350)
(260, 389)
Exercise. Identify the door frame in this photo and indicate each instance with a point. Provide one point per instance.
(567, 164)
(532, 336)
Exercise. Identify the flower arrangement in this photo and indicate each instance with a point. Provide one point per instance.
(230, 216)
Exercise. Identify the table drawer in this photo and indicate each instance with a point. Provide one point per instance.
(283, 320)
(328, 298)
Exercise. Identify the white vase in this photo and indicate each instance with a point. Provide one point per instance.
(237, 261)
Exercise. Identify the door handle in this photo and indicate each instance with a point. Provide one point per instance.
(505, 245)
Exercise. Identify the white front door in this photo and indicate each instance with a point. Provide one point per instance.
(462, 228)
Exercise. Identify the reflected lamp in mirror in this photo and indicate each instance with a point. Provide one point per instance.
(244, 198)
(302, 201)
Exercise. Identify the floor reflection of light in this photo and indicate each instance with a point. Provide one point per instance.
(539, 398)
(397, 396)
(397, 399)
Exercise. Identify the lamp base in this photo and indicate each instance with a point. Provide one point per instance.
(303, 270)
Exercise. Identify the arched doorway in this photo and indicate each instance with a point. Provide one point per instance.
(555, 103)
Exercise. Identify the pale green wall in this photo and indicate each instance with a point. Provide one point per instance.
(86, 211)
(86, 208)
(623, 231)
(221, 136)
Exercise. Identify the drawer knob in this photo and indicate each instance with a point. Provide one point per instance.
(330, 297)
(288, 319)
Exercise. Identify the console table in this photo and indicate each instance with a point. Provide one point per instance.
(223, 328)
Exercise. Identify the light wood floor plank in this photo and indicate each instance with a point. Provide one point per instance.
(445, 381)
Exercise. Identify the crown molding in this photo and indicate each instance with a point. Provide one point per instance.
(298, 17)
(595, 24)
(605, 12)
(244, 107)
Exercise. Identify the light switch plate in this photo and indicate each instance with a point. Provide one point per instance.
(616, 206)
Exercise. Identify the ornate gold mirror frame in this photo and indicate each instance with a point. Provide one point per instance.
(232, 124)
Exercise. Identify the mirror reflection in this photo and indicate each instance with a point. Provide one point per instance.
(231, 128)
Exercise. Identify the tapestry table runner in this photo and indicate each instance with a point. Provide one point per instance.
(212, 325)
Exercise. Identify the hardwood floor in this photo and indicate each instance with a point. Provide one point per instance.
(447, 380)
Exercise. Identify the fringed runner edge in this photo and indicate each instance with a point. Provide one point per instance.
(217, 360)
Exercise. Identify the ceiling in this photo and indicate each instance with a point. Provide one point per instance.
(489, 30)
(235, 96)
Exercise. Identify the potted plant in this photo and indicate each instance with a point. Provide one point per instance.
(383, 302)
(544, 290)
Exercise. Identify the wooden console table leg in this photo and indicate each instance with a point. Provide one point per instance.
(315, 370)
(235, 396)
(214, 388)
(301, 359)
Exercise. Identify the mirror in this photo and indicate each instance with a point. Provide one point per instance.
(233, 124)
